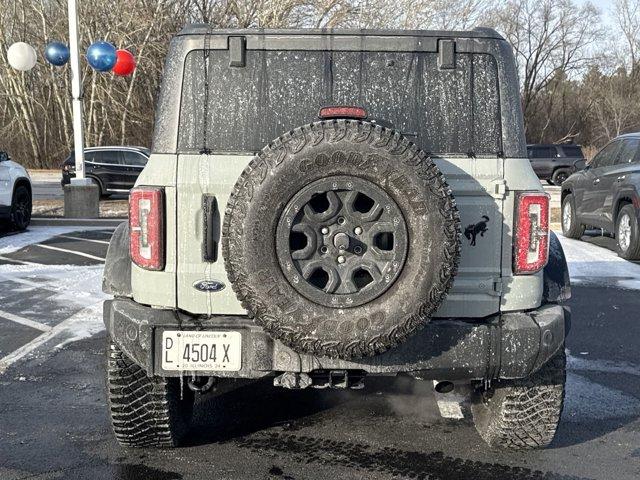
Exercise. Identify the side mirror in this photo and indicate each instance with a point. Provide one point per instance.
(580, 165)
(4, 157)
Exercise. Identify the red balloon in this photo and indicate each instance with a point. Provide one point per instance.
(125, 63)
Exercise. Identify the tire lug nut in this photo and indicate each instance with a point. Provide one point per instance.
(341, 259)
(324, 230)
(357, 230)
(357, 249)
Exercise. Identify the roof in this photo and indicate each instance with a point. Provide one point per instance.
(630, 135)
(117, 147)
(479, 32)
(553, 145)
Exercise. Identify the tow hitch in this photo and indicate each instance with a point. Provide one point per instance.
(339, 379)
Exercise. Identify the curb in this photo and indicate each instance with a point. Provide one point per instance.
(72, 222)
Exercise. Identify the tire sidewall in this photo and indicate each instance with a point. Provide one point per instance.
(633, 251)
(575, 229)
(21, 190)
(249, 239)
(557, 174)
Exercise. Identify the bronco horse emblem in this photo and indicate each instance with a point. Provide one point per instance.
(472, 231)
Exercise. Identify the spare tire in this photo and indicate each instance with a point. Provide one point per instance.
(341, 238)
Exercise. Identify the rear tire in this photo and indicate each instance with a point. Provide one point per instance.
(559, 176)
(145, 412)
(21, 208)
(523, 414)
(571, 228)
(627, 234)
(101, 190)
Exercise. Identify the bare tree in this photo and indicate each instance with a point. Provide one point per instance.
(627, 17)
(548, 37)
(554, 41)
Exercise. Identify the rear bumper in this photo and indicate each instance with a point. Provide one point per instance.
(511, 345)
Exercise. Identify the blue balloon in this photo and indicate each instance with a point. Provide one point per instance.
(56, 53)
(102, 56)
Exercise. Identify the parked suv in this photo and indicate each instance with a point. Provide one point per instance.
(113, 169)
(15, 193)
(606, 195)
(554, 163)
(294, 222)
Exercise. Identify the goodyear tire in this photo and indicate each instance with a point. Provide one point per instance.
(145, 412)
(341, 239)
(523, 414)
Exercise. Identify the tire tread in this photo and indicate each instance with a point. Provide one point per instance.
(145, 412)
(524, 414)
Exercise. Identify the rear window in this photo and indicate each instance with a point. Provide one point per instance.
(442, 111)
(107, 157)
(572, 151)
(541, 152)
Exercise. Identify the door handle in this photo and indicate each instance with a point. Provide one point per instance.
(621, 177)
(596, 181)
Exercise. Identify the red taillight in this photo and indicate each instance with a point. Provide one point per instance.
(531, 245)
(146, 225)
(342, 112)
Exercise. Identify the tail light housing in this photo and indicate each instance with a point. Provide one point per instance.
(531, 245)
(146, 227)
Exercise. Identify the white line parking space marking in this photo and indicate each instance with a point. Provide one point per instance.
(449, 409)
(76, 327)
(82, 254)
(25, 321)
(103, 242)
(20, 262)
(449, 404)
(31, 346)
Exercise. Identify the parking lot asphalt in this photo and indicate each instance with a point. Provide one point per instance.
(54, 422)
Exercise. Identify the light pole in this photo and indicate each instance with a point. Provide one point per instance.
(76, 93)
(81, 197)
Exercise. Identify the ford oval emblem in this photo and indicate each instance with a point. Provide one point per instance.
(209, 286)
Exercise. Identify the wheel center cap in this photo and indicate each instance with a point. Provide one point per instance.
(341, 241)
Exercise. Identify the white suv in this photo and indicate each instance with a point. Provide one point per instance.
(15, 193)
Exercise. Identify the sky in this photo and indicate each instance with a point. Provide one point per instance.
(605, 6)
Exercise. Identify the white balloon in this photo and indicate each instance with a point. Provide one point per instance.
(22, 56)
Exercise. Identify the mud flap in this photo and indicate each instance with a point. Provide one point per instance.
(557, 284)
(116, 279)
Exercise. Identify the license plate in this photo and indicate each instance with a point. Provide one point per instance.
(207, 351)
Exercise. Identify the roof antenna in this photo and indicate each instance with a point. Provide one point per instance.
(205, 128)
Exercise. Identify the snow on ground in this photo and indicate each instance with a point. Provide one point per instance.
(67, 301)
(590, 264)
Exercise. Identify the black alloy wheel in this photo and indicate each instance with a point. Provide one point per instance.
(342, 241)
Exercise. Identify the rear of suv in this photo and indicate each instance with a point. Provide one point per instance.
(554, 163)
(15, 194)
(324, 205)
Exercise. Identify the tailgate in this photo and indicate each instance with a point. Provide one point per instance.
(204, 181)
